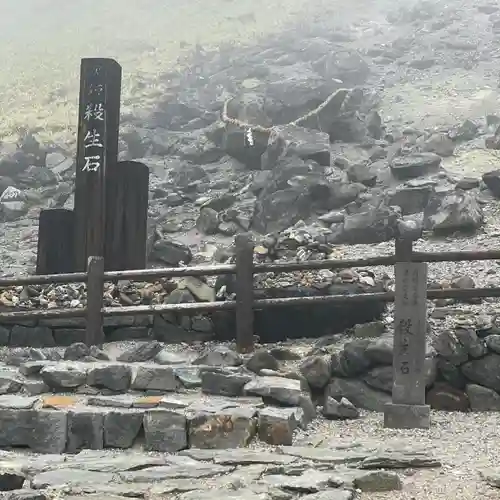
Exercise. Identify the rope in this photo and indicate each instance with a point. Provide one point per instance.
(269, 130)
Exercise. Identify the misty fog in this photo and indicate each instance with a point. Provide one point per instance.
(42, 41)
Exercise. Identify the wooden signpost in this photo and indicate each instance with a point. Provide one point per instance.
(127, 191)
(408, 409)
(97, 149)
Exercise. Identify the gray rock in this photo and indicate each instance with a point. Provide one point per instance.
(476, 347)
(492, 182)
(26, 495)
(310, 481)
(39, 336)
(362, 173)
(453, 211)
(208, 221)
(493, 343)
(71, 478)
(229, 428)
(354, 359)
(220, 356)
(411, 199)
(223, 383)
(450, 348)
(165, 431)
(47, 431)
(451, 373)
(166, 357)
(76, 351)
(440, 144)
(11, 479)
(144, 351)
(4, 335)
(85, 431)
(156, 378)
(277, 425)
(17, 402)
(292, 140)
(396, 459)
(371, 226)
(316, 370)
(63, 376)
(189, 376)
(378, 480)
(414, 165)
(482, 399)
(339, 410)
(239, 456)
(10, 383)
(359, 393)
(333, 494)
(114, 377)
(262, 360)
(121, 428)
(282, 390)
(380, 351)
(369, 330)
(171, 252)
(445, 397)
(485, 371)
(280, 209)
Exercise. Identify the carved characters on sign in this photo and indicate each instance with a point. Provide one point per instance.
(93, 122)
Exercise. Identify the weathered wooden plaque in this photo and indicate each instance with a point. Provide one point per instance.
(97, 148)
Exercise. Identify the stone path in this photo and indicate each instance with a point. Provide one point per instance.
(285, 473)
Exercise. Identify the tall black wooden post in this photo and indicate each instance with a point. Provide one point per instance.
(127, 190)
(97, 149)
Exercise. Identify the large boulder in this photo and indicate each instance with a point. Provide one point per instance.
(453, 211)
(374, 226)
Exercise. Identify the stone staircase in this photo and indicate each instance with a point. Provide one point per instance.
(146, 420)
(78, 398)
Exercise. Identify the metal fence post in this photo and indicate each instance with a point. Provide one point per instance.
(408, 409)
(244, 293)
(95, 293)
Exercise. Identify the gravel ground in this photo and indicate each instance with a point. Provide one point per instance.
(465, 443)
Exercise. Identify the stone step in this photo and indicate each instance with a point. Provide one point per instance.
(68, 423)
(286, 472)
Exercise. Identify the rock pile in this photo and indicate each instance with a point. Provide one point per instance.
(271, 325)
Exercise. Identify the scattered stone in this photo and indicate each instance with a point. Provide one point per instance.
(63, 376)
(219, 357)
(155, 378)
(316, 370)
(224, 384)
(378, 481)
(339, 410)
(114, 377)
(444, 397)
(165, 430)
(229, 428)
(277, 425)
(145, 351)
(482, 399)
(281, 390)
(262, 360)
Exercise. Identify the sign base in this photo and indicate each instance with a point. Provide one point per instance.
(401, 416)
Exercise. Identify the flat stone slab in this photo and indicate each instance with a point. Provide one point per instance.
(238, 456)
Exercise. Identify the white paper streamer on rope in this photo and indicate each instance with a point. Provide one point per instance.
(249, 137)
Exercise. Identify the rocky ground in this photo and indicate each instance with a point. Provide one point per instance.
(410, 140)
